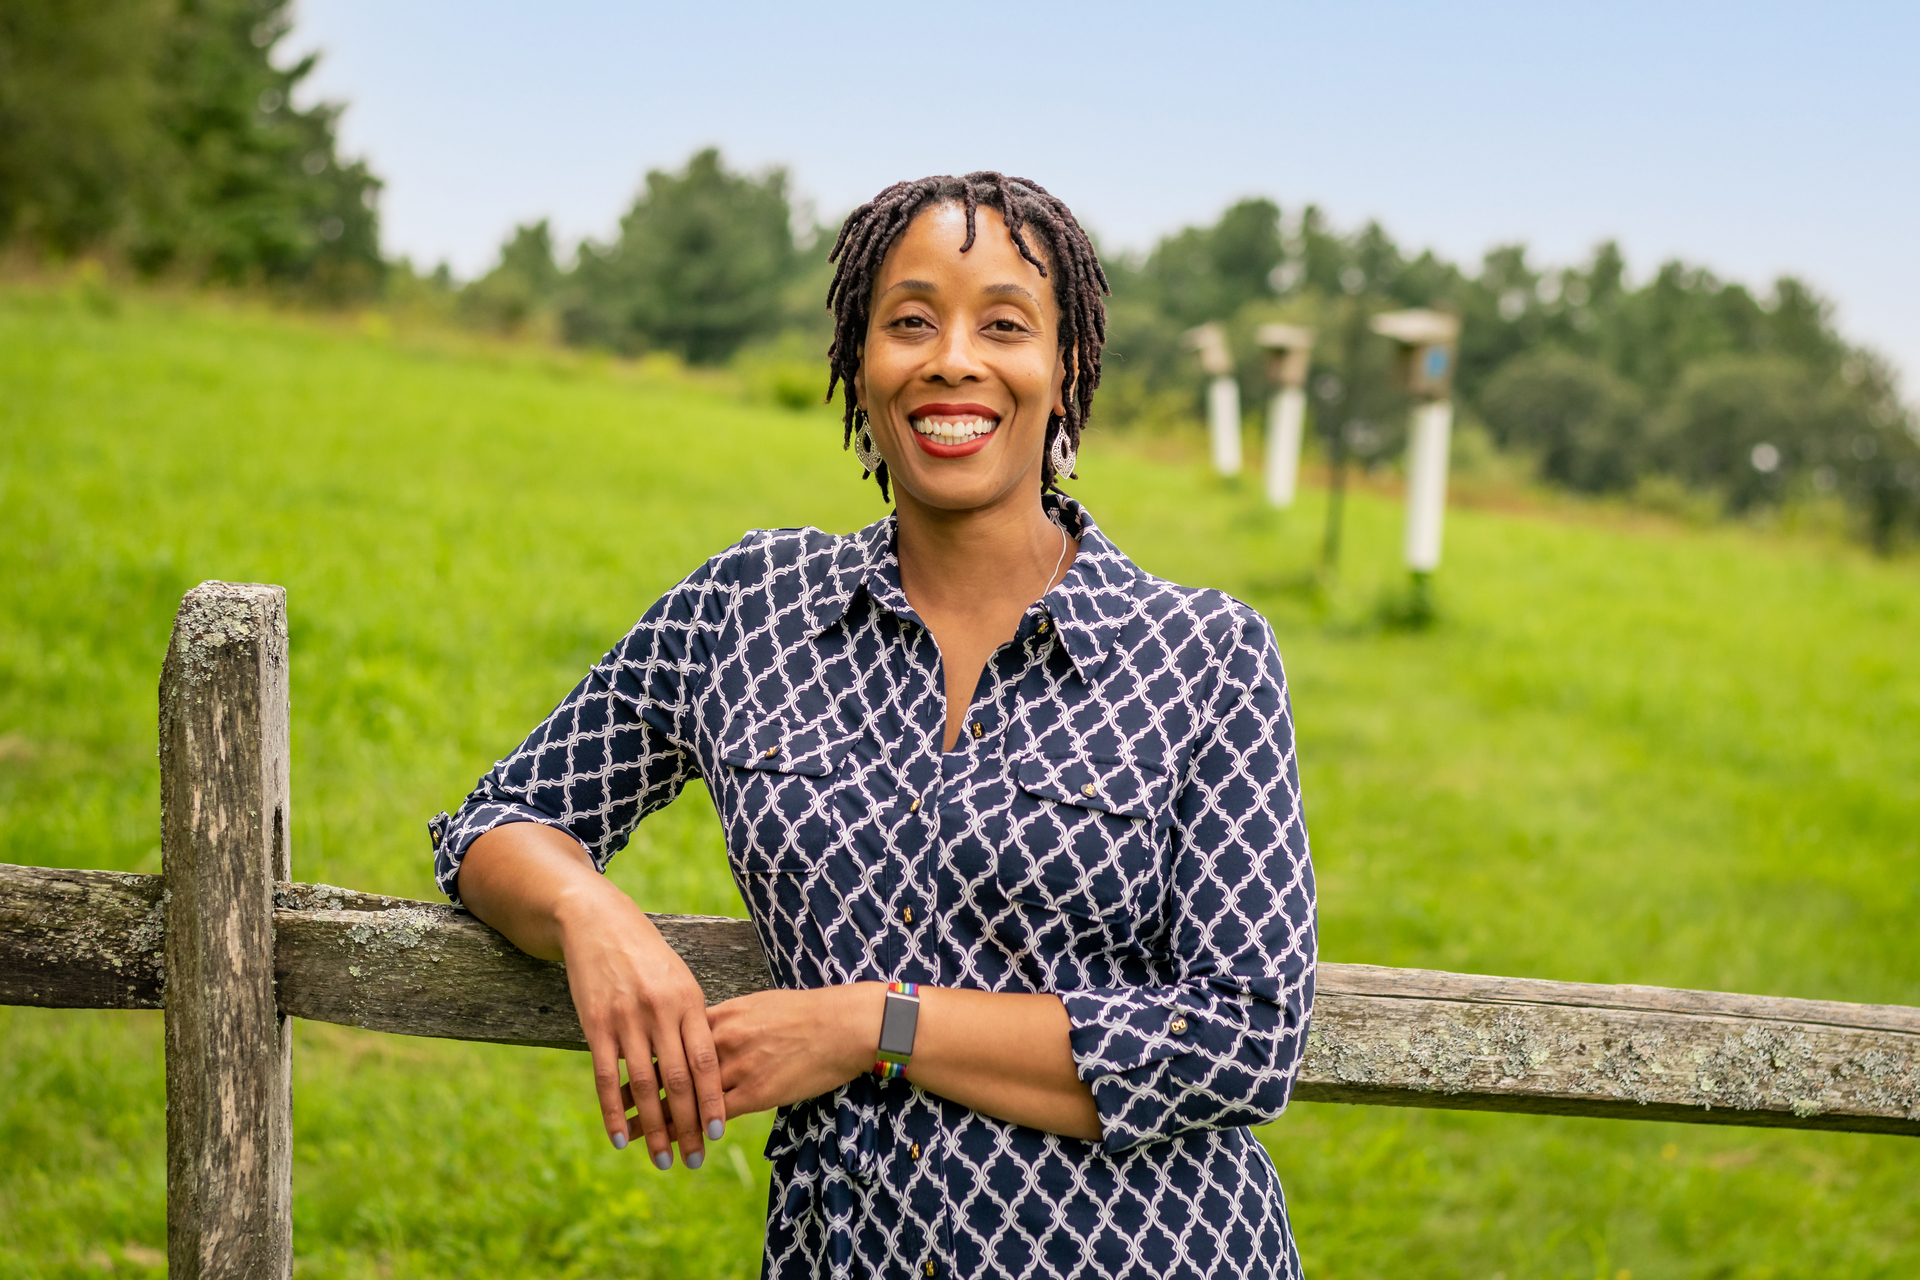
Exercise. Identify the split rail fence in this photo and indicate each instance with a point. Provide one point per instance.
(233, 949)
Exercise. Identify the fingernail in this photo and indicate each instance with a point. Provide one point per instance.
(664, 1160)
(619, 1141)
(716, 1130)
(696, 1159)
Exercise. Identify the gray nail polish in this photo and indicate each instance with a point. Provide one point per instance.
(716, 1130)
(696, 1159)
(664, 1160)
(619, 1141)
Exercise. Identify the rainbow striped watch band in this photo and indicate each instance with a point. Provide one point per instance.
(897, 1027)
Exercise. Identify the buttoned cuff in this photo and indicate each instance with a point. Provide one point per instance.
(1144, 1050)
(453, 836)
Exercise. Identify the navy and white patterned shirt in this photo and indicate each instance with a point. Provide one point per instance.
(1119, 824)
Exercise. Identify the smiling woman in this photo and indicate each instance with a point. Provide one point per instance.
(1019, 826)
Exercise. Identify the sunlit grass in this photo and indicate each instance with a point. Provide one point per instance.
(1627, 752)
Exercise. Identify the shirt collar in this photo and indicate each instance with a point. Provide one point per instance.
(1088, 607)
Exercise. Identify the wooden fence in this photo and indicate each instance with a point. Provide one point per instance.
(232, 949)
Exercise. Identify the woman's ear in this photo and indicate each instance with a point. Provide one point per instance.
(1060, 387)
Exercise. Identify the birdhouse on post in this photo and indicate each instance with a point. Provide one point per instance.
(1289, 351)
(1428, 342)
(1223, 396)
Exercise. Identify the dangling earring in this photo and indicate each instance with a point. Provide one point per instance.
(1062, 453)
(863, 447)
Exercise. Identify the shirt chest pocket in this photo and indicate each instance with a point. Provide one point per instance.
(1089, 837)
(780, 791)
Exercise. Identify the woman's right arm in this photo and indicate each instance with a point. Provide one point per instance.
(525, 851)
(636, 998)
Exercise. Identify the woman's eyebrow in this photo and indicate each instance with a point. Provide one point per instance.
(917, 286)
(1005, 290)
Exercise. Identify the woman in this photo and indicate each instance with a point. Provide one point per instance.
(972, 752)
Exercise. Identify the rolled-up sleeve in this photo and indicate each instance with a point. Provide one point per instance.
(1221, 1045)
(616, 748)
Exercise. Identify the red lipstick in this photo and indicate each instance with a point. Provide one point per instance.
(942, 449)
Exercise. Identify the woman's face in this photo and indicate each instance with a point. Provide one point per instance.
(961, 366)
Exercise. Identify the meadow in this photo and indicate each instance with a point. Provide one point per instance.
(1628, 751)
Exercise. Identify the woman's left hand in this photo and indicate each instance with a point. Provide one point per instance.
(781, 1047)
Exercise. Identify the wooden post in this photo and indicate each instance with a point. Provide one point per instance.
(224, 825)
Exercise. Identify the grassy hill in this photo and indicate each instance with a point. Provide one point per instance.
(1628, 752)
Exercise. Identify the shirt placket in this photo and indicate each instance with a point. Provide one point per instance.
(909, 953)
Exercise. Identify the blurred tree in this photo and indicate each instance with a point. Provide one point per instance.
(1581, 421)
(526, 279)
(700, 265)
(162, 130)
(1741, 424)
(77, 101)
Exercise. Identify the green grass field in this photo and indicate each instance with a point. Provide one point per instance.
(1628, 752)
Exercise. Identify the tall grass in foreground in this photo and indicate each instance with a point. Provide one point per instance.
(1624, 754)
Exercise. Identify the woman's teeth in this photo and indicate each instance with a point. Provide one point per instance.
(954, 430)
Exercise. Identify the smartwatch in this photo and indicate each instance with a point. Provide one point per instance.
(897, 1025)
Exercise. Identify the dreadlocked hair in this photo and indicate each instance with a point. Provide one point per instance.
(1079, 284)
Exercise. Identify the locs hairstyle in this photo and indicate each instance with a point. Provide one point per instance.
(1078, 285)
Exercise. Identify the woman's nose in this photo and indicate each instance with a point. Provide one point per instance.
(957, 357)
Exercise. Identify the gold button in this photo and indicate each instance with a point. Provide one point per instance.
(932, 1269)
(772, 752)
(915, 806)
(906, 913)
(978, 732)
(914, 1151)
(1178, 1026)
(1042, 626)
(1089, 790)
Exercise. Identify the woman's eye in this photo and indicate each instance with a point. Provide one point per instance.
(911, 322)
(1008, 326)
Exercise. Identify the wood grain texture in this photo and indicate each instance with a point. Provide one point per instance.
(80, 939)
(1393, 1037)
(1415, 1037)
(420, 968)
(224, 774)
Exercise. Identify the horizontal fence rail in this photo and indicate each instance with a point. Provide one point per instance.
(1396, 1037)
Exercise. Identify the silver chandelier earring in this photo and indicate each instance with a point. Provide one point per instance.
(1062, 453)
(863, 447)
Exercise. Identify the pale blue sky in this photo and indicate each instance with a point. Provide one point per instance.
(1755, 138)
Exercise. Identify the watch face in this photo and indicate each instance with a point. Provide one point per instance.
(897, 1025)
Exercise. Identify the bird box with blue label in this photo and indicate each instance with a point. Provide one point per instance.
(1428, 343)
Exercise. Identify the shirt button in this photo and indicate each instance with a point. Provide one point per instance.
(915, 806)
(772, 752)
(979, 731)
(914, 1151)
(1178, 1026)
(1089, 790)
(932, 1268)
(906, 913)
(1043, 625)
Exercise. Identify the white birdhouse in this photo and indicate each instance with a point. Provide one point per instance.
(1289, 353)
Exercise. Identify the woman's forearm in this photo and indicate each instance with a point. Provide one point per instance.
(523, 877)
(636, 999)
(1004, 1054)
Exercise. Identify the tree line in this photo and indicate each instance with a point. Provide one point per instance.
(1604, 385)
(161, 133)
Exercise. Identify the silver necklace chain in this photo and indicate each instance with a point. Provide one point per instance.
(1056, 564)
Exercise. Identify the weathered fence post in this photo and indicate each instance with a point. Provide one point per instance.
(224, 841)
